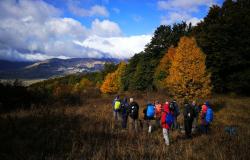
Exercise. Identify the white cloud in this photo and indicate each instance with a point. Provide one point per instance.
(105, 28)
(194, 21)
(187, 5)
(182, 10)
(35, 30)
(175, 17)
(119, 47)
(38, 10)
(95, 10)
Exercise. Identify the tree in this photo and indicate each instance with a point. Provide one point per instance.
(113, 81)
(140, 71)
(162, 70)
(188, 77)
(82, 86)
(224, 37)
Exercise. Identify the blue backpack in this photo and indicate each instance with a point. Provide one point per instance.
(169, 119)
(150, 111)
(209, 115)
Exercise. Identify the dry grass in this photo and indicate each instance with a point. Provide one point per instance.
(85, 132)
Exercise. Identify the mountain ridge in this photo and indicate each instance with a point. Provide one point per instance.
(51, 67)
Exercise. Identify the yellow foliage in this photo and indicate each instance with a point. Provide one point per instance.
(112, 82)
(188, 77)
(162, 70)
(82, 85)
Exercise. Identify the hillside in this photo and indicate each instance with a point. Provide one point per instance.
(51, 68)
(85, 132)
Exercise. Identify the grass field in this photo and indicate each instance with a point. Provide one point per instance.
(85, 132)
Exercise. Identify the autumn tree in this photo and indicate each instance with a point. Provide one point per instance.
(113, 82)
(82, 86)
(162, 70)
(188, 77)
(139, 73)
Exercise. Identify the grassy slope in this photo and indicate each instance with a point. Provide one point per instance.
(85, 133)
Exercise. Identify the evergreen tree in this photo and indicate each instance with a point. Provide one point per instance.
(224, 37)
(140, 71)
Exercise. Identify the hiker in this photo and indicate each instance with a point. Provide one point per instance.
(149, 113)
(206, 117)
(116, 109)
(188, 118)
(133, 112)
(124, 112)
(196, 114)
(175, 109)
(167, 119)
(203, 116)
(158, 111)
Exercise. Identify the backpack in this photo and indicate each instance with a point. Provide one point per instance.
(133, 111)
(150, 111)
(117, 105)
(209, 115)
(173, 107)
(169, 119)
(158, 110)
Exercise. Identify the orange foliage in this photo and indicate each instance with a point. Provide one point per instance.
(112, 82)
(188, 77)
(162, 70)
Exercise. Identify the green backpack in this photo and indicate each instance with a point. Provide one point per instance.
(117, 105)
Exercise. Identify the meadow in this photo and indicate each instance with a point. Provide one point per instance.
(86, 132)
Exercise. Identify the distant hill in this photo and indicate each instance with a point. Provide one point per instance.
(51, 68)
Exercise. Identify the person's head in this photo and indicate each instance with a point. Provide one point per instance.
(206, 103)
(167, 102)
(194, 103)
(131, 100)
(117, 97)
(156, 102)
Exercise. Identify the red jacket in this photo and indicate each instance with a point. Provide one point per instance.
(164, 114)
(203, 113)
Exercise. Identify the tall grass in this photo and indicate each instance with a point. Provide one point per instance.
(85, 132)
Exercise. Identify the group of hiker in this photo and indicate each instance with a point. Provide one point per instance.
(165, 115)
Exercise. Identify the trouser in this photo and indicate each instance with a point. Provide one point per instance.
(165, 135)
(117, 118)
(195, 124)
(188, 127)
(175, 124)
(133, 124)
(204, 128)
(124, 121)
(149, 123)
(158, 122)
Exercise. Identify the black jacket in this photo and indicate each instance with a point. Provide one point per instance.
(133, 110)
(188, 112)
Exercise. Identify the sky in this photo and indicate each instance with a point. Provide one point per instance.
(33, 30)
